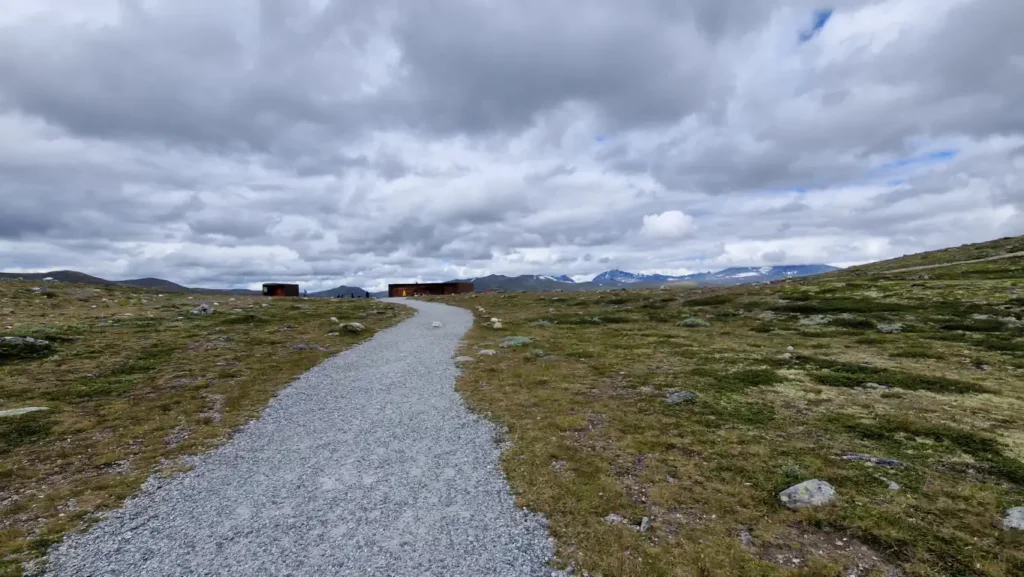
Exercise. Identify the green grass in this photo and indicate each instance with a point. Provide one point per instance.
(705, 470)
(127, 367)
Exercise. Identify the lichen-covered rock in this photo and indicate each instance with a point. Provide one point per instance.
(1014, 519)
(694, 322)
(515, 342)
(681, 397)
(24, 348)
(812, 493)
(353, 327)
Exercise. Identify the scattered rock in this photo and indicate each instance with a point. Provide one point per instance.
(22, 411)
(335, 320)
(787, 356)
(1014, 519)
(540, 323)
(495, 320)
(880, 461)
(497, 326)
(176, 436)
(681, 397)
(876, 386)
(463, 359)
(694, 322)
(487, 352)
(515, 342)
(890, 328)
(332, 334)
(537, 353)
(614, 518)
(203, 309)
(645, 524)
(812, 493)
(23, 347)
(305, 347)
(746, 539)
(436, 324)
(814, 320)
(790, 349)
(893, 485)
(353, 327)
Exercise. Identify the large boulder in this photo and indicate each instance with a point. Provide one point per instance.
(1014, 519)
(812, 493)
(24, 348)
(515, 342)
(681, 397)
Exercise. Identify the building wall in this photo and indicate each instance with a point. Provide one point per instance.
(440, 288)
(280, 290)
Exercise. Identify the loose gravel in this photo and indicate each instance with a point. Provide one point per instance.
(369, 464)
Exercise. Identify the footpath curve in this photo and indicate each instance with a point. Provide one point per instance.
(368, 464)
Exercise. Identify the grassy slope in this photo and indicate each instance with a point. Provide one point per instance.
(135, 382)
(591, 433)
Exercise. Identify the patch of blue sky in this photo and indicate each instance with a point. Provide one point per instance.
(821, 17)
(920, 160)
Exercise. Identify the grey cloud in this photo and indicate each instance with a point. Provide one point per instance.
(367, 141)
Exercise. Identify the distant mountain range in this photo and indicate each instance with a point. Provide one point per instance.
(343, 292)
(620, 278)
(494, 282)
(734, 275)
(157, 284)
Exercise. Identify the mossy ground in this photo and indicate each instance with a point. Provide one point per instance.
(134, 382)
(590, 432)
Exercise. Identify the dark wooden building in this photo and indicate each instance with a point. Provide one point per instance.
(429, 288)
(272, 289)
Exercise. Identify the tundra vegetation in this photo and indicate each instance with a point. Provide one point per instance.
(133, 381)
(658, 445)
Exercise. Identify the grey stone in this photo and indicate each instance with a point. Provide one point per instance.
(515, 342)
(746, 539)
(614, 518)
(812, 493)
(694, 322)
(203, 309)
(787, 356)
(790, 349)
(22, 411)
(497, 326)
(875, 386)
(894, 486)
(1014, 519)
(681, 397)
(463, 359)
(353, 327)
(881, 461)
(487, 352)
(305, 347)
(645, 524)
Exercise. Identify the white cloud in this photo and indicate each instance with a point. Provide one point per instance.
(671, 224)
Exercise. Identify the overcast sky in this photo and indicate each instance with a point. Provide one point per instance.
(233, 142)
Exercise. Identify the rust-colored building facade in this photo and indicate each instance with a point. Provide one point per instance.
(280, 290)
(430, 288)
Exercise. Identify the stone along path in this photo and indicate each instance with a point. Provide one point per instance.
(367, 465)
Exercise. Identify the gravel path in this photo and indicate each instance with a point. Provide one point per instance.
(367, 465)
